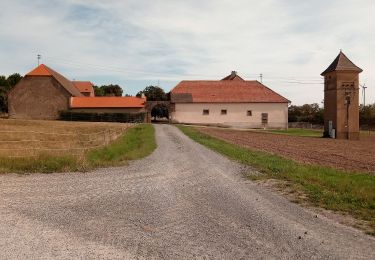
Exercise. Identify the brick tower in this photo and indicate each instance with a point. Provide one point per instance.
(341, 99)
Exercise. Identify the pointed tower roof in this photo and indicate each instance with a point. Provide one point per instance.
(342, 63)
(233, 76)
(43, 70)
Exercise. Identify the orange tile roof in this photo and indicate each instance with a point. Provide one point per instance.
(224, 91)
(107, 102)
(43, 70)
(84, 86)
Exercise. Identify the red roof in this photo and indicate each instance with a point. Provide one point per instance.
(84, 87)
(43, 70)
(224, 91)
(107, 102)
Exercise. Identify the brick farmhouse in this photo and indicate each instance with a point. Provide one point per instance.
(43, 93)
(231, 101)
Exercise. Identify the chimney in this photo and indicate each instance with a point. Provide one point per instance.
(233, 73)
(143, 96)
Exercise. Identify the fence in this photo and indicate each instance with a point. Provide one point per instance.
(20, 144)
(103, 117)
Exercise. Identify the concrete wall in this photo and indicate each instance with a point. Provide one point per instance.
(192, 113)
(108, 110)
(37, 97)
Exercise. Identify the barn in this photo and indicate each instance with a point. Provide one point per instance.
(44, 93)
(232, 102)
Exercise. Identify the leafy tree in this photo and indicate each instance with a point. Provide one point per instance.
(112, 90)
(153, 93)
(6, 83)
(98, 91)
(3, 99)
(160, 110)
(311, 113)
(367, 115)
(14, 79)
(108, 90)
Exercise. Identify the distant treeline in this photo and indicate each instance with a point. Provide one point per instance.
(6, 84)
(314, 114)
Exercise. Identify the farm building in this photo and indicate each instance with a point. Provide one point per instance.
(85, 87)
(44, 93)
(231, 101)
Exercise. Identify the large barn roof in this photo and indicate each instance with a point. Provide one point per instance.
(107, 102)
(228, 90)
(342, 63)
(43, 70)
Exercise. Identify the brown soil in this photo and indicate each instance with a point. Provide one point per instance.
(340, 154)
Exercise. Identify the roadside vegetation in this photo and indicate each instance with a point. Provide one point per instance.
(136, 142)
(347, 192)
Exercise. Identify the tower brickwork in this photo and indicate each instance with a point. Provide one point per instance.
(341, 99)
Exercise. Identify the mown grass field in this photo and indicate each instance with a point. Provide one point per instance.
(348, 192)
(50, 146)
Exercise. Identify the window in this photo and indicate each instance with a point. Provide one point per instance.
(223, 111)
(206, 112)
(249, 113)
(264, 118)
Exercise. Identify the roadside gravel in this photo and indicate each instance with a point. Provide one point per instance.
(182, 202)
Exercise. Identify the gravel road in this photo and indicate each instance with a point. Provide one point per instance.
(182, 202)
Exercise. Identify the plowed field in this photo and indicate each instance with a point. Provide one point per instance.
(340, 154)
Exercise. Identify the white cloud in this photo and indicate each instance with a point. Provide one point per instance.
(135, 43)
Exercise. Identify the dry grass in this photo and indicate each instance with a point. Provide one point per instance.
(30, 138)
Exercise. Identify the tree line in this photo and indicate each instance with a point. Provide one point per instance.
(6, 84)
(312, 113)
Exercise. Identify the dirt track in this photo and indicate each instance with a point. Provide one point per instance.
(182, 202)
(340, 154)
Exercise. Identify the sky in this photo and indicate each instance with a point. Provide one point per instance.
(137, 43)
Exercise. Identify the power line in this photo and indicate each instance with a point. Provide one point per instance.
(78, 64)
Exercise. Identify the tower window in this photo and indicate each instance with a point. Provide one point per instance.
(223, 111)
(249, 113)
(206, 112)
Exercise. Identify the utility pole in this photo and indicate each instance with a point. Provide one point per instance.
(39, 57)
(364, 94)
(261, 77)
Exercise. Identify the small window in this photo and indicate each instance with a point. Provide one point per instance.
(249, 113)
(223, 111)
(206, 112)
(264, 118)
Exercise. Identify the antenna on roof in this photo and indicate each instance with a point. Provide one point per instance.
(39, 57)
(261, 77)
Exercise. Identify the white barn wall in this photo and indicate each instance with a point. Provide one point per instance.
(192, 113)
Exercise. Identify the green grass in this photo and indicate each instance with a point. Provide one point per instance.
(136, 143)
(297, 132)
(348, 192)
